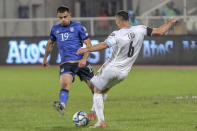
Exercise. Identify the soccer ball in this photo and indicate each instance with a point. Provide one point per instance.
(80, 118)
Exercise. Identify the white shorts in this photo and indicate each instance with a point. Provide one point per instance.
(107, 76)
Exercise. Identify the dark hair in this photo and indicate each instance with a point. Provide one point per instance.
(123, 15)
(62, 9)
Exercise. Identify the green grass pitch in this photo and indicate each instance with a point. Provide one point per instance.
(148, 100)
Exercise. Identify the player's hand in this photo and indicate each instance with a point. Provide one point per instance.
(45, 64)
(82, 63)
(173, 20)
(82, 50)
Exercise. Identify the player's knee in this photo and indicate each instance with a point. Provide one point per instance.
(97, 91)
(65, 86)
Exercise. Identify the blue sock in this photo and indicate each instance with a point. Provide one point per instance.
(63, 96)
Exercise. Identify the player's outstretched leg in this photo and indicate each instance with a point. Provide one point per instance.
(59, 107)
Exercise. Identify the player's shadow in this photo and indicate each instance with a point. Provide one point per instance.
(61, 128)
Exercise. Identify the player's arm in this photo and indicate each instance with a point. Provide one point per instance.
(88, 45)
(164, 28)
(82, 62)
(97, 47)
(49, 48)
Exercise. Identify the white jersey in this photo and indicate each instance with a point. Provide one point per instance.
(126, 44)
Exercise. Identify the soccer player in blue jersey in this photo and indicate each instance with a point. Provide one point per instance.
(69, 36)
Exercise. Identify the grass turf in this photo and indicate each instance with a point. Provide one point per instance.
(148, 100)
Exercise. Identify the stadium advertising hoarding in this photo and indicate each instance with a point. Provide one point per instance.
(168, 50)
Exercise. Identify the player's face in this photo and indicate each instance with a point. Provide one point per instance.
(117, 21)
(64, 18)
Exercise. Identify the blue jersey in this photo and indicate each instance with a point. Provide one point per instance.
(69, 40)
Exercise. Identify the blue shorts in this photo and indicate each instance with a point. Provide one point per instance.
(85, 73)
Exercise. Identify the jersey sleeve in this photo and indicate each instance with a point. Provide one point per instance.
(111, 39)
(145, 30)
(52, 34)
(83, 33)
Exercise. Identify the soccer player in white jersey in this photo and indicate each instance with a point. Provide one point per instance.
(126, 42)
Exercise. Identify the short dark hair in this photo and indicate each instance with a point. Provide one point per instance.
(62, 9)
(123, 15)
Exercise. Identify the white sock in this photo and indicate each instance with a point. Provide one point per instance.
(93, 109)
(104, 98)
(99, 106)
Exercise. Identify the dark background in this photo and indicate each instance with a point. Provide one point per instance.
(176, 55)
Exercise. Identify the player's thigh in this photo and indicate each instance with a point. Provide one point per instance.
(112, 83)
(69, 68)
(85, 73)
(103, 77)
(120, 76)
(66, 80)
(108, 84)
